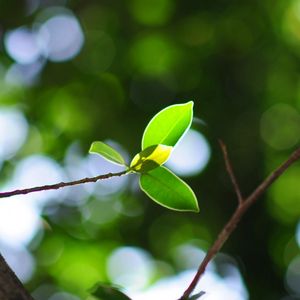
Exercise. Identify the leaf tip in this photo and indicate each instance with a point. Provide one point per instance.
(92, 147)
(190, 103)
(197, 209)
(194, 207)
(107, 152)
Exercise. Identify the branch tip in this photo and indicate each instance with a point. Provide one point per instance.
(241, 209)
(230, 172)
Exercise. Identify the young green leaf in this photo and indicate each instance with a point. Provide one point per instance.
(150, 158)
(168, 190)
(169, 125)
(107, 152)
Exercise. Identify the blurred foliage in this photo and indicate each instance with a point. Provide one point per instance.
(109, 293)
(240, 63)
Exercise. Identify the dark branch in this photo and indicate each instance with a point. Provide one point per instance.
(57, 186)
(11, 287)
(236, 217)
(230, 172)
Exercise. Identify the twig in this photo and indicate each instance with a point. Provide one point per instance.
(230, 172)
(60, 185)
(10, 286)
(236, 217)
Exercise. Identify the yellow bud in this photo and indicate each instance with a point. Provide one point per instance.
(150, 158)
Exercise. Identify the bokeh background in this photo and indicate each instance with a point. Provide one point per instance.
(72, 72)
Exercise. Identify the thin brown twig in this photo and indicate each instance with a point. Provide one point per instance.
(236, 217)
(11, 287)
(57, 186)
(230, 172)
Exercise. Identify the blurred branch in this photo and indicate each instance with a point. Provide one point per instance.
(230, 172)
(11, 287)
(57, 186)
(236, 217)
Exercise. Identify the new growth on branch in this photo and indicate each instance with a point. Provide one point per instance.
(161, 135)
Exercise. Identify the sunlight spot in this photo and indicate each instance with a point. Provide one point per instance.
(39, 170)
(13, 132)
(19, 221)
(191, 155)
(61, 37)
(130, 267)
(21, 45)
(215, 287)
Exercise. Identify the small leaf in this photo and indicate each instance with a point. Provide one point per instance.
(169, 125)
(107, 292)
(150, 158)
(107, 152)
(197, 296)
(165, 188)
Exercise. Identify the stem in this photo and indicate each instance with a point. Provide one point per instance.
(57, 186)
(10, 286)
(236, 217)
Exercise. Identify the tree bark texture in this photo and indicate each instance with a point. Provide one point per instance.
(11, 287)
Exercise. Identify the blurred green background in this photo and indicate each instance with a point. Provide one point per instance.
(72, 72)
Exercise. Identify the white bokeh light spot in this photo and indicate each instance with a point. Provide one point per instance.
(21, 45)
(38, 170)
(130, 267)
(191, 155)
(61, 38)
(13, 132)
(20, 215)
(19, 222)
(215, 287)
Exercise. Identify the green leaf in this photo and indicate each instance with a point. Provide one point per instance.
(107, 152)
(150, 158)
(169, 125)
(168, 190)
(107, 292)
